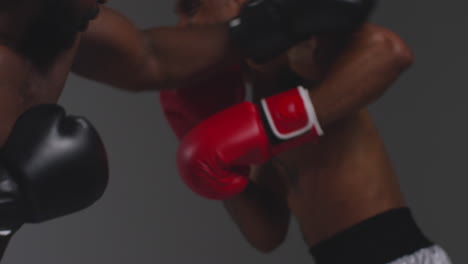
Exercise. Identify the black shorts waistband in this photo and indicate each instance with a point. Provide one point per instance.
(377, 240)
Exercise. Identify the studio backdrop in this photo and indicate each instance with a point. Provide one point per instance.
(148, 216)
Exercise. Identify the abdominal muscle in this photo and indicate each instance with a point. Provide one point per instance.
(344, 179)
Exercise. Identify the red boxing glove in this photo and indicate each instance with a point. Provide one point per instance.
(211, 157)
(186, 107)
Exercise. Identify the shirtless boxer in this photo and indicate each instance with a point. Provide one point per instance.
(41, 41)
(341, 189)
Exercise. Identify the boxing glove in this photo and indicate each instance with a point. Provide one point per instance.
(266, 28)
(212, 157)
(186, 107)
(50, 166)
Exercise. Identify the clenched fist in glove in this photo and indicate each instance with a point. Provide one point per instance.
(266, 28)
(51, 165)
(212, 158)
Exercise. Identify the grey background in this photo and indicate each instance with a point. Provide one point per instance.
(148, 216)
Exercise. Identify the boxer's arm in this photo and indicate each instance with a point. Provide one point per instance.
(374, 59)
(261, 211)
(115, 52)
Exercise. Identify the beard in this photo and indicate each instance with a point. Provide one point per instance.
(54, 30)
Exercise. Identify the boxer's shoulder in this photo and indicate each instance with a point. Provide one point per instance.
(385, 39)
(378, 32)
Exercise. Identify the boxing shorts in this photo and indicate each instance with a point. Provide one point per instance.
(392, 237)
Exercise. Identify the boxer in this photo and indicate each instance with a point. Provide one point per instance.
(42, 41)
(338, 182)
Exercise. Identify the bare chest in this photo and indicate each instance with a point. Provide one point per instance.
(350, 150)
(28, 85)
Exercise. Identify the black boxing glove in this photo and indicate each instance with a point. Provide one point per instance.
(266, 28)
(51, 165)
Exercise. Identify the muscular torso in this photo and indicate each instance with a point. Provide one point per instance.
(24, 85)
(343, 179)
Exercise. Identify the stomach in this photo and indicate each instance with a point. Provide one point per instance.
(344, 179)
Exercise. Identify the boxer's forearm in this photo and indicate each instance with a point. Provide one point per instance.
(261, 211)
(361, 74)
(182, 55)
(115, 52)
(262, 217)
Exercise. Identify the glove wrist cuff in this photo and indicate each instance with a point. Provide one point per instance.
(290, 120)
(291, 114)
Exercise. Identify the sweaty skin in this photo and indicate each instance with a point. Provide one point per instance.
(38, 50)
(112, 50)
(42, 41)
(347, 176)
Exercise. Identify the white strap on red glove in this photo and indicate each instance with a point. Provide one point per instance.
(290, 115)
